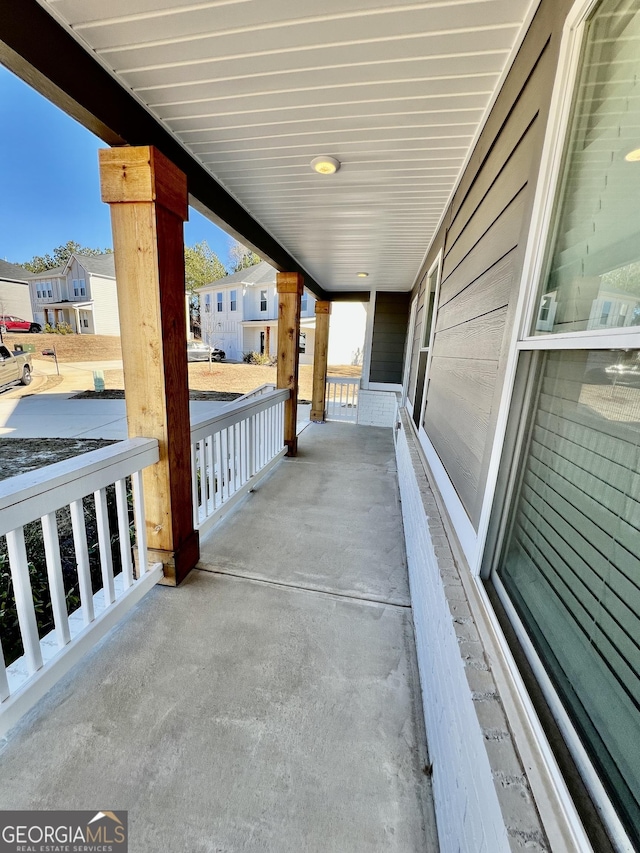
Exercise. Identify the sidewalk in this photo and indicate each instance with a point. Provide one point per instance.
(26, 412)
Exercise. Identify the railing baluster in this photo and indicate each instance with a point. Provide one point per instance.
(219, 492)
(224, 446)
(56, 581)
(233, 485)
(210, 504)
(124, 535)
(252, 445)
(202, 484)
(104, 546)
(82, 560)
(140, 521)
(4, 683)
(24, 599)
(194, 486)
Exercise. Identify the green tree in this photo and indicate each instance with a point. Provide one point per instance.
(241, 258)
(60, 256)
(201, 266)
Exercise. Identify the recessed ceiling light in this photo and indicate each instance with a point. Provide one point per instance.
(633, 156)
(325, 165)
(363, 275)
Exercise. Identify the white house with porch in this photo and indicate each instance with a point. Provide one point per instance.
(82, 294)
(239, 314)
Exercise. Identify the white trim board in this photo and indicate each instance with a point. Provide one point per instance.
(460, 521)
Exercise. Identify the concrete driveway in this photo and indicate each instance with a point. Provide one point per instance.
(46, 408)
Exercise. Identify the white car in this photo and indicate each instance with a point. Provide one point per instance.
(199, 351)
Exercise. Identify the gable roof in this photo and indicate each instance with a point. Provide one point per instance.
(103, 265)
(12, 272)
(262, 273)
(52, 273)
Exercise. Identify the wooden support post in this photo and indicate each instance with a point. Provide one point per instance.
(267, 341)
(290, 286)
(320, 350)
(148, 198)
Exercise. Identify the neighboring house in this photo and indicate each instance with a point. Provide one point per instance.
(81, 294)
(14, 291)
(239, 314)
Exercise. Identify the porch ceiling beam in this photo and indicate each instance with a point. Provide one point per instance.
(41, 52)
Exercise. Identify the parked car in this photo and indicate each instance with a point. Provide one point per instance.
(9, 323)
(199, 351)
(14, 367)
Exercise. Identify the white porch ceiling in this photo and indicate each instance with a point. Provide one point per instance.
(255, 89)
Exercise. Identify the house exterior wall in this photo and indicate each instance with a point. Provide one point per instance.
(224, 328)
(483, 240)
(388, 344)
(39, 289)
(15, 299)
(106, 319)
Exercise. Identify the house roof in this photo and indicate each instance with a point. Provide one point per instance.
(262, 273)
(52, 273)
(103, 265)
(12, 272)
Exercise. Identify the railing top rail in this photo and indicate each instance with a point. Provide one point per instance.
(261, 390)
(236, 412)
(33, 494)
(344, 380)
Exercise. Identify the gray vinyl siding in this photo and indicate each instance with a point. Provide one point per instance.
(391, 318)
(483, 240)
(15, 299)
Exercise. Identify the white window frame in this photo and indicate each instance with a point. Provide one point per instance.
(219, 302)
(523, 340)
(233, 300)
(435, 271)
(265, 300)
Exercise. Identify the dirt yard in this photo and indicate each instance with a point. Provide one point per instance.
(71, 347)
(236, 378)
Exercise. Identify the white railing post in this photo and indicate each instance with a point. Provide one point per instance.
(24, 599)
(54, 574)
(123, 533)
(82, 560)
(104, 546)
(140, 521)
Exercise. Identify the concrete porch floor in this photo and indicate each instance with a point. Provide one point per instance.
(271, 703)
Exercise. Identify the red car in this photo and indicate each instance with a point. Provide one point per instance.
(9, 323)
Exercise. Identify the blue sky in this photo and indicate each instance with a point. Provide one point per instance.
(49, 181)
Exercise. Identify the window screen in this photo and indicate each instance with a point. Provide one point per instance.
(571, 559)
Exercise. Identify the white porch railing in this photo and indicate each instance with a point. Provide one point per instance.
(342, 398)
(232, 451)
(257, 392)
(34, 500)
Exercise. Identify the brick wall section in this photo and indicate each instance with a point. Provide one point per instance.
(482, 797)
(377, 408)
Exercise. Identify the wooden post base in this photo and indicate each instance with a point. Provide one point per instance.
(317, 416)
(292, 446)
(177, 564)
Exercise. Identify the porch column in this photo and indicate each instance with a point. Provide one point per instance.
(267, 340)
(320, 350)
(290, 286)
(147, 195)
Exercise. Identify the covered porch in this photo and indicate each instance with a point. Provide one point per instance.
(272, 701)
